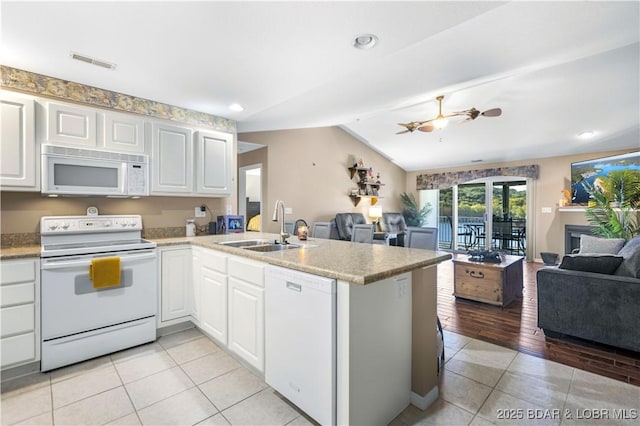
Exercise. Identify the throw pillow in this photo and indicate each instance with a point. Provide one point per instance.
(598, 263)
(630, 266)
(589, 244)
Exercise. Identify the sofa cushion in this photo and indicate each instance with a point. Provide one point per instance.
(598, 263)
(630, 266)
(589, 244)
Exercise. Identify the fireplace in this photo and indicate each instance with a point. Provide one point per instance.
(572, 236)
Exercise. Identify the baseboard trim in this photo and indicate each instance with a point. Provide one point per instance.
(19, 371)
(174, 328)
(423, 402)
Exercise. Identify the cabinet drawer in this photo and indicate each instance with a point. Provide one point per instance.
(17, 349)
(247, 270)
(18, 272)
(212, 260)
(478, 283)
(17, 294)
(17, 319)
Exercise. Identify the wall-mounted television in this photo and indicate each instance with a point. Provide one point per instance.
(590, 170)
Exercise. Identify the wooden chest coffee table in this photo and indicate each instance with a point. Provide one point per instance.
(495, 283)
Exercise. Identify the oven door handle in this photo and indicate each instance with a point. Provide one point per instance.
(61, 264)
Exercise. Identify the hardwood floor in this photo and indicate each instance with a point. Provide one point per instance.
(515, 327)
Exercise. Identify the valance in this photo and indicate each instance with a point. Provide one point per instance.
(448, 179)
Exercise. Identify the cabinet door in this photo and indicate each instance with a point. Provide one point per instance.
(68, 125)
(123, 132)
(19, 159)
(176, 283)
(171, 160)
(214, 163)
(213, 318)
(246, 321)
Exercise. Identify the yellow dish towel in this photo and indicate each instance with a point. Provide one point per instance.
(105, 272)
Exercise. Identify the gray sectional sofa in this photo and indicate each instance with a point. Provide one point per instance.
(575, 299)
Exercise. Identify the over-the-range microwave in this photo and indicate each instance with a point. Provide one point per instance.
(77, 171)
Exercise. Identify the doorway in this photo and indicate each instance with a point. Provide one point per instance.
(250, 196)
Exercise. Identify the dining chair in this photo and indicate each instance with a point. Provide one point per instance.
(288, 228)
(321, 230)
(419, 237)
(427, 238)
(363, 233)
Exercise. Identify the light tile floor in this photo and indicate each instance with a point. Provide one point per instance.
(185, 379)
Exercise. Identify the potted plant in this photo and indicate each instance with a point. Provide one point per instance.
(413, 214)
(614, 204)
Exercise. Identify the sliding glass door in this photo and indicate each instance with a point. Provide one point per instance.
(472, 209)
(464, 211)
(509, 219)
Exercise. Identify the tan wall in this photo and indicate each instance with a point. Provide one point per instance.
(307, 169)
(21, 211)
(555, 175)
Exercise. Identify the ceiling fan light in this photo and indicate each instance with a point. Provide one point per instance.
(440, 123)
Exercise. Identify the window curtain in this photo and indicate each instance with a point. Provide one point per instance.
(449, 179)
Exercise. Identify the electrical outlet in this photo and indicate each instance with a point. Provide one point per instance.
(288, 210)
(199, 212)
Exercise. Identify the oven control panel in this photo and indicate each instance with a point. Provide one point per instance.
(80, 224)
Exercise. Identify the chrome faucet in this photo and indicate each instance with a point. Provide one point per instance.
(283, 234)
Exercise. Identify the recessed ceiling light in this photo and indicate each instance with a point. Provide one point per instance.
(365, 41)
(236, 107)
(586, 134)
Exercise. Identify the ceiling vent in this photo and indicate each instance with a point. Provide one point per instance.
(97, 62)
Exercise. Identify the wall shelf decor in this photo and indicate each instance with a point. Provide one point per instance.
(368, 186)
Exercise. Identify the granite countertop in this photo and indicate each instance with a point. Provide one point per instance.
(356, 263)
(20, 252)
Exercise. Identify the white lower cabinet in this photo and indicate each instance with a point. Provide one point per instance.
(19, 312)
(246, 310)
(176, 283)
(222, 294)
(210, 292)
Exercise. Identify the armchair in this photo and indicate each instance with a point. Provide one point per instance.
(345, 222)
(393, 223)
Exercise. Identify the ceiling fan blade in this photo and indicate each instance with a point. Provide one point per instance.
(495, 112)
(403, 131)
(427, 128)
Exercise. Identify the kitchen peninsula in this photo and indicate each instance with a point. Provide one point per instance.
(385, 317)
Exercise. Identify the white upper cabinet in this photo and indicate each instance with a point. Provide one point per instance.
(70, 125)
(213, 163)
(123, 132)
(19, 159)
(182, 164)
(171, 160)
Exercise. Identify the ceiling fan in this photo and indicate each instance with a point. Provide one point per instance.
(441, 120)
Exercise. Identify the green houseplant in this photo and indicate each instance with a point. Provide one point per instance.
(413, 214)
(614, 204)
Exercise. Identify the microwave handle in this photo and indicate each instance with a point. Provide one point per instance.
(62, 264)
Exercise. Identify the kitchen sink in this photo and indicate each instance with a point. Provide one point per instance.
(272, 247)
(245, 243)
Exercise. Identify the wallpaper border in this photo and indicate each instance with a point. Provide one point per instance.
(51, 87)
(448, 179)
